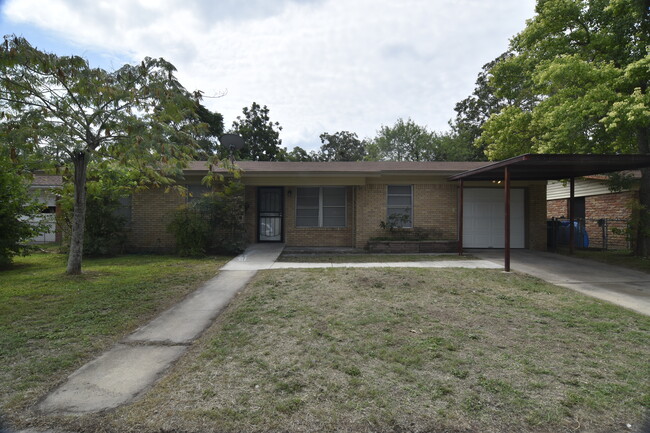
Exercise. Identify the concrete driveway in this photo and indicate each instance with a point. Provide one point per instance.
(621, 286)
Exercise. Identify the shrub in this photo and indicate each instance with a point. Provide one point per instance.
(17, 210)
(212, 223)
(191, 230)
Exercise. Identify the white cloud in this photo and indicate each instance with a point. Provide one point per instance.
(319, 65)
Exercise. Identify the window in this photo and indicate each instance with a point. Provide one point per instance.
(195, 192)
(124, 210)
(320, 207)
(399, 205)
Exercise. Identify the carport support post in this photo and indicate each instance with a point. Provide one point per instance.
(506, 234)
(572, 191)
(460, 220)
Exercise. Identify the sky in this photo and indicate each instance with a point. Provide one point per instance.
(319, 65)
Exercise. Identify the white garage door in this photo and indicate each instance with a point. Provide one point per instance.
(483, 218)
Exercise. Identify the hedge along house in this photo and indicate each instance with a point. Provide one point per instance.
(342, 204)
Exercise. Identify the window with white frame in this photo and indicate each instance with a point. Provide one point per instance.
(320, 206)
(399, 205)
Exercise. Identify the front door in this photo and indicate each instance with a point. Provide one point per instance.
(269, 214)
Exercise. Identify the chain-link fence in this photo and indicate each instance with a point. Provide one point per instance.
(598, 233)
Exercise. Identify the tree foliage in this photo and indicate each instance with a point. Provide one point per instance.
(298, 154)
(108, 187)
(577, 82)
(72, 114)
(473, 111)
(17, 212)
(212, 223)
(261, 135)
(408, 141)
(208, 140)
(404, 141)
(341, 146)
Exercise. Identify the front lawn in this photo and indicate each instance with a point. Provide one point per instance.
(383, 350)
(51, 323)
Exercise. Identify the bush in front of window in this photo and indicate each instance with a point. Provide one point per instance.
(191, 231)
(395, 222)
(397, 232)
(211, 224)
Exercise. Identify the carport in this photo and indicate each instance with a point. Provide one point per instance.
(543, 167)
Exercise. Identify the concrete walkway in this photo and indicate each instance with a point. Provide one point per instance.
(621, 286)
(473, 264)
(264, 256)
(132, 366)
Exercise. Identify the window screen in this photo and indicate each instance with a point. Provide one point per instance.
(399, 205)
(307, 207)
(320, 207)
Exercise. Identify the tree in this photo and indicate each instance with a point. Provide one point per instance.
(404, 141)
(583, 67)
(17, 211)
(72, 113)
(261, 135)
(450, 146)
(208, 141)
(473, 111)
(341, 146)
(299, 154)
(107, 185)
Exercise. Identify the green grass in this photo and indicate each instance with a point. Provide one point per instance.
(406, 350)
(622, 258)
(51, 323)
(369, 258)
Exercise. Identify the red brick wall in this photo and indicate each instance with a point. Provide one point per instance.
(557, 208)
(613, 207)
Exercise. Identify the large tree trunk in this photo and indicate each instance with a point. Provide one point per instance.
(80, 162)
(642, 247)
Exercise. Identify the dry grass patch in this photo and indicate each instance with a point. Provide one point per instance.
(405, 350)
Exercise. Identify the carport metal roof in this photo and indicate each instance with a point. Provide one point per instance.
(543, 167)
(554, 167)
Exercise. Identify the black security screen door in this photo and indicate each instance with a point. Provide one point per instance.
(269, 214)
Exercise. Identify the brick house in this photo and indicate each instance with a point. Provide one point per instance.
(594, 203)
(341, 204)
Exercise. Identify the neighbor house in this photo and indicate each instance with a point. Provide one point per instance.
(42, 189)
(603, 214)
(343, 204)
